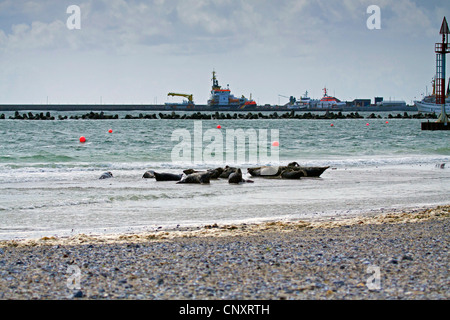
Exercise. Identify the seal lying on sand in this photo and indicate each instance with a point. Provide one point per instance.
(265, 171)
(227, 171)
(106, 175)
(167, 176)
(214, 173)
(149, 174)
(236, 178)
(291, 174)
(275, 171)
(202, 177)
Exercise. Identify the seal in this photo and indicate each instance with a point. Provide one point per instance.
(311, 172)
(265, 171)
(149, 174)
(293, 164)
(215, 173)
(226, 172)
(106, 175)
(202, 177)
(189, 171)
(291, 174)
(167, 176)
(236, 178)
(275, 171)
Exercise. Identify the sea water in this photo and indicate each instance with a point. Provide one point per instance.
(50, 186)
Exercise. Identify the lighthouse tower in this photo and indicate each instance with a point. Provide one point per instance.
(441, 50)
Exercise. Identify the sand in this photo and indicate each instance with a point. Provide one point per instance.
(395, 255)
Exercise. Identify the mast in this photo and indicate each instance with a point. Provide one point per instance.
(441, 50)
(215, 85)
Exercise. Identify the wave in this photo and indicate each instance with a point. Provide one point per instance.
(86, 167)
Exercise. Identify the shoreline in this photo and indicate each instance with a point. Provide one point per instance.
(395, 256)
(410, 215)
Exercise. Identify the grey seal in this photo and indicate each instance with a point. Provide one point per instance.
(167, 176)
(291, 174)
(236, 178)
(149, 174)
(214, 173)
(227, 171)
(275, 171)
(106, 175)
(202, 177)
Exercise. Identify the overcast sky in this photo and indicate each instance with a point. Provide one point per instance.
(138, 51)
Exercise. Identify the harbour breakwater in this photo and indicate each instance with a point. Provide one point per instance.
(195, 108)
(215, 116)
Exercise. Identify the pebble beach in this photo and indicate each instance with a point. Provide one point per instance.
(400, 255)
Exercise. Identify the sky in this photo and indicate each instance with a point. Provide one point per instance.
(136, 52)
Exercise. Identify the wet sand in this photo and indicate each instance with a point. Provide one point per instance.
(395, 255)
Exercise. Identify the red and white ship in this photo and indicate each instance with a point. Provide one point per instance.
(327, 102)
(223, 97)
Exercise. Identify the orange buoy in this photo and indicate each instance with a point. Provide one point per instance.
(82, 139)
(275, 144)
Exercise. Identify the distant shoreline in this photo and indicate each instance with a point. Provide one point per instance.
(154, 107)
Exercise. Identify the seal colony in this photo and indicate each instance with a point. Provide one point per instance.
(234, 175)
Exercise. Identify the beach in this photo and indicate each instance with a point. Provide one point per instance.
(400, 254)
(373, 226)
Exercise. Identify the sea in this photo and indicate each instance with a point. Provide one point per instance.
(50, 186)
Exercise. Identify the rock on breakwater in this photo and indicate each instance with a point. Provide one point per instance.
(217, 116)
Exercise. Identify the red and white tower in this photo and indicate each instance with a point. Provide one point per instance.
(441, 50)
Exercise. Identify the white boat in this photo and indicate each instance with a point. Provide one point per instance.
(431, 106)
(301, 104)
(428, 104)
(327, 102)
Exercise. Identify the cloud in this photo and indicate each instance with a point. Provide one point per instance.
(287, 46)
(189, 26)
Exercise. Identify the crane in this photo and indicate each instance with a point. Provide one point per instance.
(190, 97)
(291, 99)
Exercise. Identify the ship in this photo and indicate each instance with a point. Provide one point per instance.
(223, 99)
(325, 103)
(328, 102)
(428, 103)
(302, 104)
